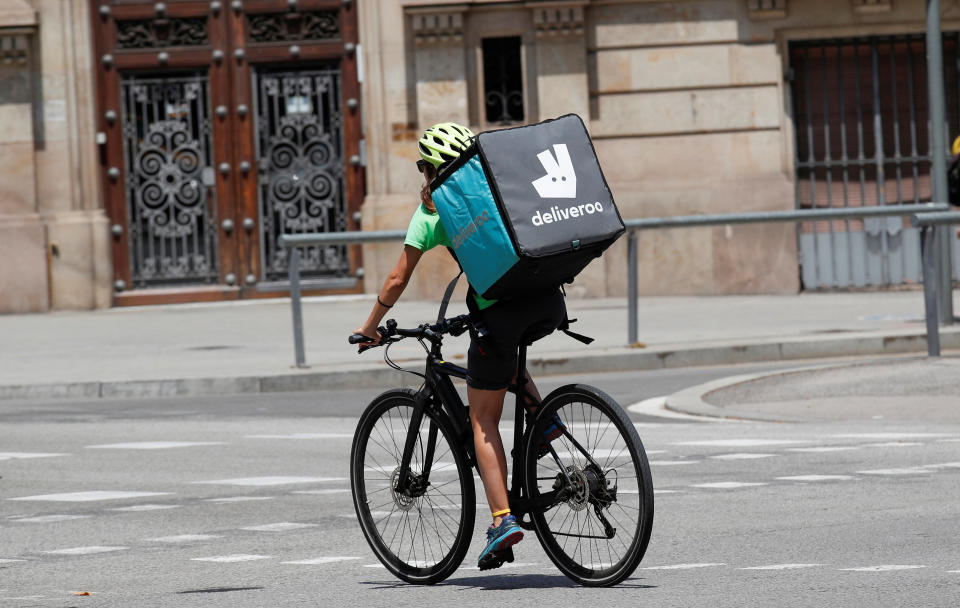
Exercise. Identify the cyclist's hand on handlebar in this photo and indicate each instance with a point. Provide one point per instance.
(366, 337)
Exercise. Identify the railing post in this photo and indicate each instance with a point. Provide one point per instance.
(632, 287)
(294, 270)
(928, 244)
(938, 150)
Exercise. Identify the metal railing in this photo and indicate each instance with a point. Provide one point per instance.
(930, 250)
(293, 242)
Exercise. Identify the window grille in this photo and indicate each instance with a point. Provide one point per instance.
(503, 80)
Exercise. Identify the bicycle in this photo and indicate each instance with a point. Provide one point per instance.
(414, 494)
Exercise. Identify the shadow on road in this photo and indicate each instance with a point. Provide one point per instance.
(497, 582)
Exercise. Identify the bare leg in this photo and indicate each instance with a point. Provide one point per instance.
(485, 410)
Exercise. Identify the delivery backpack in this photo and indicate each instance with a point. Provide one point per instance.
(526, 208)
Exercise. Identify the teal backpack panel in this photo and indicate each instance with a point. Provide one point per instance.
(477, 233)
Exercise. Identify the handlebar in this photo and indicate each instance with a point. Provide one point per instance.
(454, 326)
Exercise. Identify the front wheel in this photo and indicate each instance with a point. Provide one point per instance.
(597, 529)
(420, 532)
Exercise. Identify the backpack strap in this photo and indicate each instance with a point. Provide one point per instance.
(447, 295)
(565, 328)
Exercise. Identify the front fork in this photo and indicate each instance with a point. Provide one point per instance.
(403, 483)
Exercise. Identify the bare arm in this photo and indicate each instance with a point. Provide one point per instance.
(393, 286)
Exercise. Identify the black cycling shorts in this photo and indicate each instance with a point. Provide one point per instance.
(492, 359)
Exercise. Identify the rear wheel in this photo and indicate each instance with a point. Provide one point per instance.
(420, 532)
(598, 528)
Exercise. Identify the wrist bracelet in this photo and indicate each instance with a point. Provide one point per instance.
(380, 302)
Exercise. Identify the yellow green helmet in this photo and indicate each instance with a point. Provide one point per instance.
(444, 142)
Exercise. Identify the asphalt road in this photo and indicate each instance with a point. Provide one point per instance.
(244, 501)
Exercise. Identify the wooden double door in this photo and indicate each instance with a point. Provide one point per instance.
(222, 126)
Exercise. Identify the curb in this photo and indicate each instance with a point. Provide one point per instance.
(610, 360)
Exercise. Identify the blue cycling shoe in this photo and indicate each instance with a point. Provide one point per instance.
(499, 543)
(554, 429)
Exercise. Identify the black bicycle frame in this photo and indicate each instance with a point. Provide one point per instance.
(439, 394)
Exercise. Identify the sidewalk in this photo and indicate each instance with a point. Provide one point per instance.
(247, 346)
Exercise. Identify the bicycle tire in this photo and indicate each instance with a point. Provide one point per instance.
(374, 463)
(629, 510)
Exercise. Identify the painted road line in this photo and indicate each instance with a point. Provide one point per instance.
(825, 448)
(85, 550)
(318, 561)
(330, 491)
(893, 444)
(894, 435)
(782, 567)
(670, 463)
(25, 455)
(742, 456)
(282, 526)
(508, 565)
(659, 492)
(727, 485)
(229, 559)
(684, 566)
(48, 519)
(740, 443)
(304, 436)
(903, 471)
(886, 568)
(239, 498)
(269, 481)
(816, 478)
(138, 508)
(90, 496)
(183, 538)
(943, 465)
(10, 561)
(153, 445)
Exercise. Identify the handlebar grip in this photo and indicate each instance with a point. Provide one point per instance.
(359, 339)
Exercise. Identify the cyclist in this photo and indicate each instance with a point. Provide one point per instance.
(492, 357)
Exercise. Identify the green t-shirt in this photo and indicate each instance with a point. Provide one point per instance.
(426, 232)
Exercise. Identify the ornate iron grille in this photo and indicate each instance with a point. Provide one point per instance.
(294, 26)
(300, 147)
(503, 80)
(152, 33)
(862, 139)
(171, 200)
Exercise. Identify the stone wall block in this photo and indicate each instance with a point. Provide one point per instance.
(71, 255)
(661, 23)
(102, 258)
(23, 272)
(54, 179)
(767, 9)
(17, 180)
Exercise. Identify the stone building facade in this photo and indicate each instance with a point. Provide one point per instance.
(695, 106)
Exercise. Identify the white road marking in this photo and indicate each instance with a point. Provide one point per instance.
(330, 491)
(893, 444)
(269, 481)
(943, 465)
(138, 508)
(228, 559)
(239, 498)
(656, 406)
(886, 568)
(517, 565)
(85, 550)
(23, 455)
(673, 462)
(152, 445)
(183, 538)
(727, 485)
(740, 443)
(683, 566)
(741, 456)
(825, 448)
(782, 567)
(903, 471)
(48, 519)
(659, 492)
(816, 478)
(91, 496)
(10, 561)
(893, 435)
(304, 436)
(320, 561)
(282, 526)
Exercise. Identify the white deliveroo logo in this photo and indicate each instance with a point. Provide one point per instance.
(560, 180)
